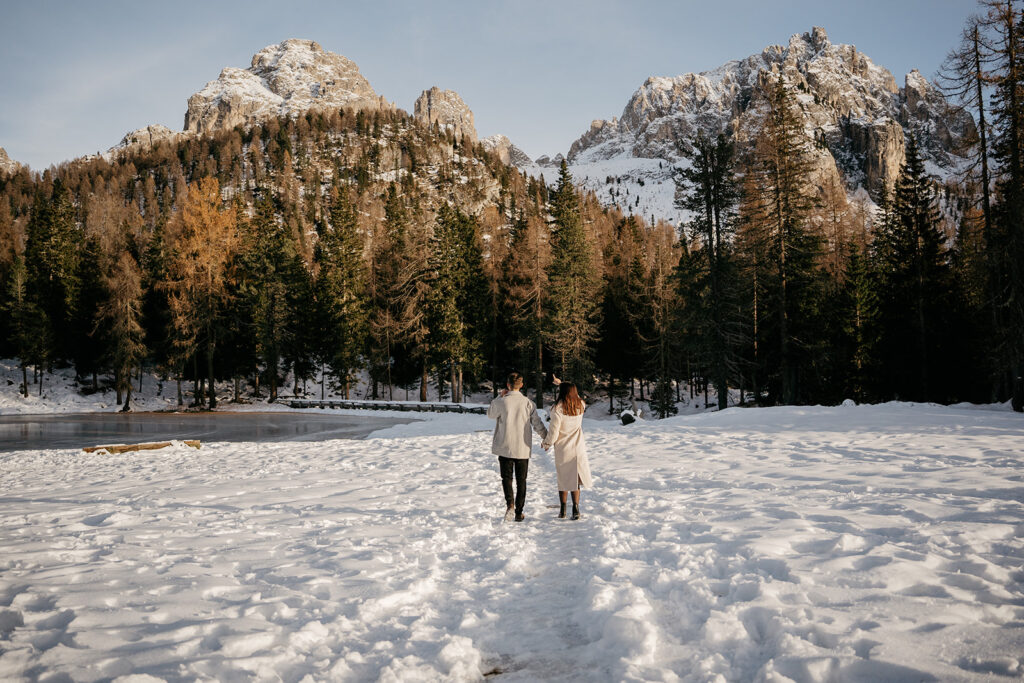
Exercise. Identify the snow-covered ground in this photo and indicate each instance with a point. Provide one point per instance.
(871, 543)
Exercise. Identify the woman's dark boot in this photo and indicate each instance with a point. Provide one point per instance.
(575, 511)
(561, 511)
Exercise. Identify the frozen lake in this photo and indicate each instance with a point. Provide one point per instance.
(22, 432)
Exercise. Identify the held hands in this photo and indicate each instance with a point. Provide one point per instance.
(555, 380)
(503, 393)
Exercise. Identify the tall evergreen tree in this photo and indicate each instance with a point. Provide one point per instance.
(52, 254)
(619, 349)
(778, 204)
(341, 290)
(454, 312)
(525, 287)
(26, 321)
(205, 242)
(710, 193)
(913, 279)
(268, 256)
(121, 315)
(1005, 23)
(574, 286)
(394, 290)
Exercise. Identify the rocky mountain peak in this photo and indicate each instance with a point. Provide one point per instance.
(287, 78)
(7, 164)
(446, 108)
(144, 138)
(852, 107)
(506, 151)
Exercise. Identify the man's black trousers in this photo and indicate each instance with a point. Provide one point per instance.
(518, 468)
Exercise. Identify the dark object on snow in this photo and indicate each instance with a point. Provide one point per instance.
(561, 511)
(575, 512)
(627, 417)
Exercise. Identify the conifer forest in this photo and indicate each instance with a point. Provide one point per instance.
(392, 256)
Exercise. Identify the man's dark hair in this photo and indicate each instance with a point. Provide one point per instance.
(513, 379)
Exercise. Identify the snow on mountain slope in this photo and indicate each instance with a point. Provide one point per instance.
(852, 106)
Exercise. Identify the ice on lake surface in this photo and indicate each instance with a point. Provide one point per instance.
(857, 543)
(20, 432)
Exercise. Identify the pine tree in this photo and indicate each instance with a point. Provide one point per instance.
(27, 322)
(394, 290)
(341, 291)
(777, 207)
(1004, 22)
(92, 343)
(913, 276)
(120, 315)
(619, 346)
(525, 288)
(267, 256)
(574, 286)
(205, 241)
(861, 322)
(710, 193)
(662, 312)
(456, 311)
(52, 254)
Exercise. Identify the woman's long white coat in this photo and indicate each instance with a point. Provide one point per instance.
(565, 433)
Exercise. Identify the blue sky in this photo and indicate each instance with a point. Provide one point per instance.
(76, 76)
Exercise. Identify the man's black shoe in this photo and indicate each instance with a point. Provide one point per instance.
(519, 517)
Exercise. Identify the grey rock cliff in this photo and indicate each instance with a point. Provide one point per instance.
(506, 151)
(7, 164)
(144, 138)
(288, 78)
(446, 108)
(853, 105)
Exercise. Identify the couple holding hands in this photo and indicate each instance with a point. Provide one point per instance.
(515, 415)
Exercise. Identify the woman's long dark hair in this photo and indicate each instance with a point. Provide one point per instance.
(569, 399)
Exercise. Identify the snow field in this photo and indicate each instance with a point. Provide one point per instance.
(807, 544)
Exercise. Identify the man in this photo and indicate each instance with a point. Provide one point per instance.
(513, 441)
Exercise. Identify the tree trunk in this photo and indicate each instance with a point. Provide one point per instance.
(24, 380)
(181, 399)
(538, 375)
(423, 383)
(238, 389)
(454, 381)
(209, 373)
(127, 408)
(272, 369)
(197, 395)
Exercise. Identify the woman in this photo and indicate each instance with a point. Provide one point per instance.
(565, 433)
